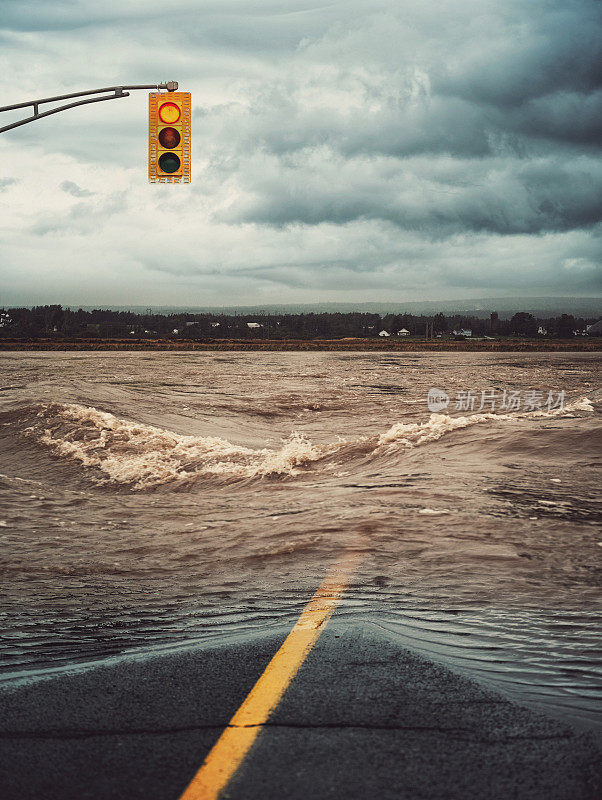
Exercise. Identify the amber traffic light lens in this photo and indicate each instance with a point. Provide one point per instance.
(169, 113)
(169, 162)
(169, 137)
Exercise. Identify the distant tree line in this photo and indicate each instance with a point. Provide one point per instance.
(54, 321)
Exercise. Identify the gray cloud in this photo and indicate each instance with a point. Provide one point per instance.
(438, 197)
(554, 47)
(72, 188)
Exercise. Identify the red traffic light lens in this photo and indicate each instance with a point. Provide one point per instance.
(169, 137)
(169, 113)
(169, 162)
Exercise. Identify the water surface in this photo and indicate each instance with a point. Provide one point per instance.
(164, 499)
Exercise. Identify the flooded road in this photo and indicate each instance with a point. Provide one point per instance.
(160, 500)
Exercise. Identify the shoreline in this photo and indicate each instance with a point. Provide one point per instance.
(357, 345)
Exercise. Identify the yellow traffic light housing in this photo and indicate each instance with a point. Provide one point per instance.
(169, 137)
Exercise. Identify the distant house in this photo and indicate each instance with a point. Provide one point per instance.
(194, 322)
(596, 328)
(176, 330)
(542, 331)
(253, 325)
(215, 324)
(463, 332)
(384, 333)
(403, 332)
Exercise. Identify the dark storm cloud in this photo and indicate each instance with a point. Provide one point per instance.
(521, 100)
(340, 146)
(397, 128)
(561, 118)
(553, 47)
(546, 82)
(437, 198)
(541, 78)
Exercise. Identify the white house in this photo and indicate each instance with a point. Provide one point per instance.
(542, 331)
(253, 325)
(215, 324)
(463, 332)
(384, 333)
(403, 332)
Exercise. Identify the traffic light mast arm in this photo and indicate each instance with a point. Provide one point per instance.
(118, 91)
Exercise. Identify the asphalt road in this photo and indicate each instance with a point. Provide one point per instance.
(362, 719)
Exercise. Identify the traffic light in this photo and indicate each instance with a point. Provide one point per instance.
(169, 137)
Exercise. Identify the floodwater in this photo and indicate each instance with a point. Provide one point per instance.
(152, 500)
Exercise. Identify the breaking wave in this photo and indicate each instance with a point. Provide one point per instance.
(144, 456)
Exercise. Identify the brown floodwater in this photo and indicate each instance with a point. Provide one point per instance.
(154, 500)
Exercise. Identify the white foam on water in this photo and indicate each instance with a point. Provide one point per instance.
(144, 456)
(413, 434)
(583, 404)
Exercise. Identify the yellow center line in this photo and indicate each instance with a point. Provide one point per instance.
(235, 742)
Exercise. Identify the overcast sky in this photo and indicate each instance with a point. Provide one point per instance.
(352, 151)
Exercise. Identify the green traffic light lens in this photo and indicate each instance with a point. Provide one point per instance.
(169, 137)
(169, 162)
